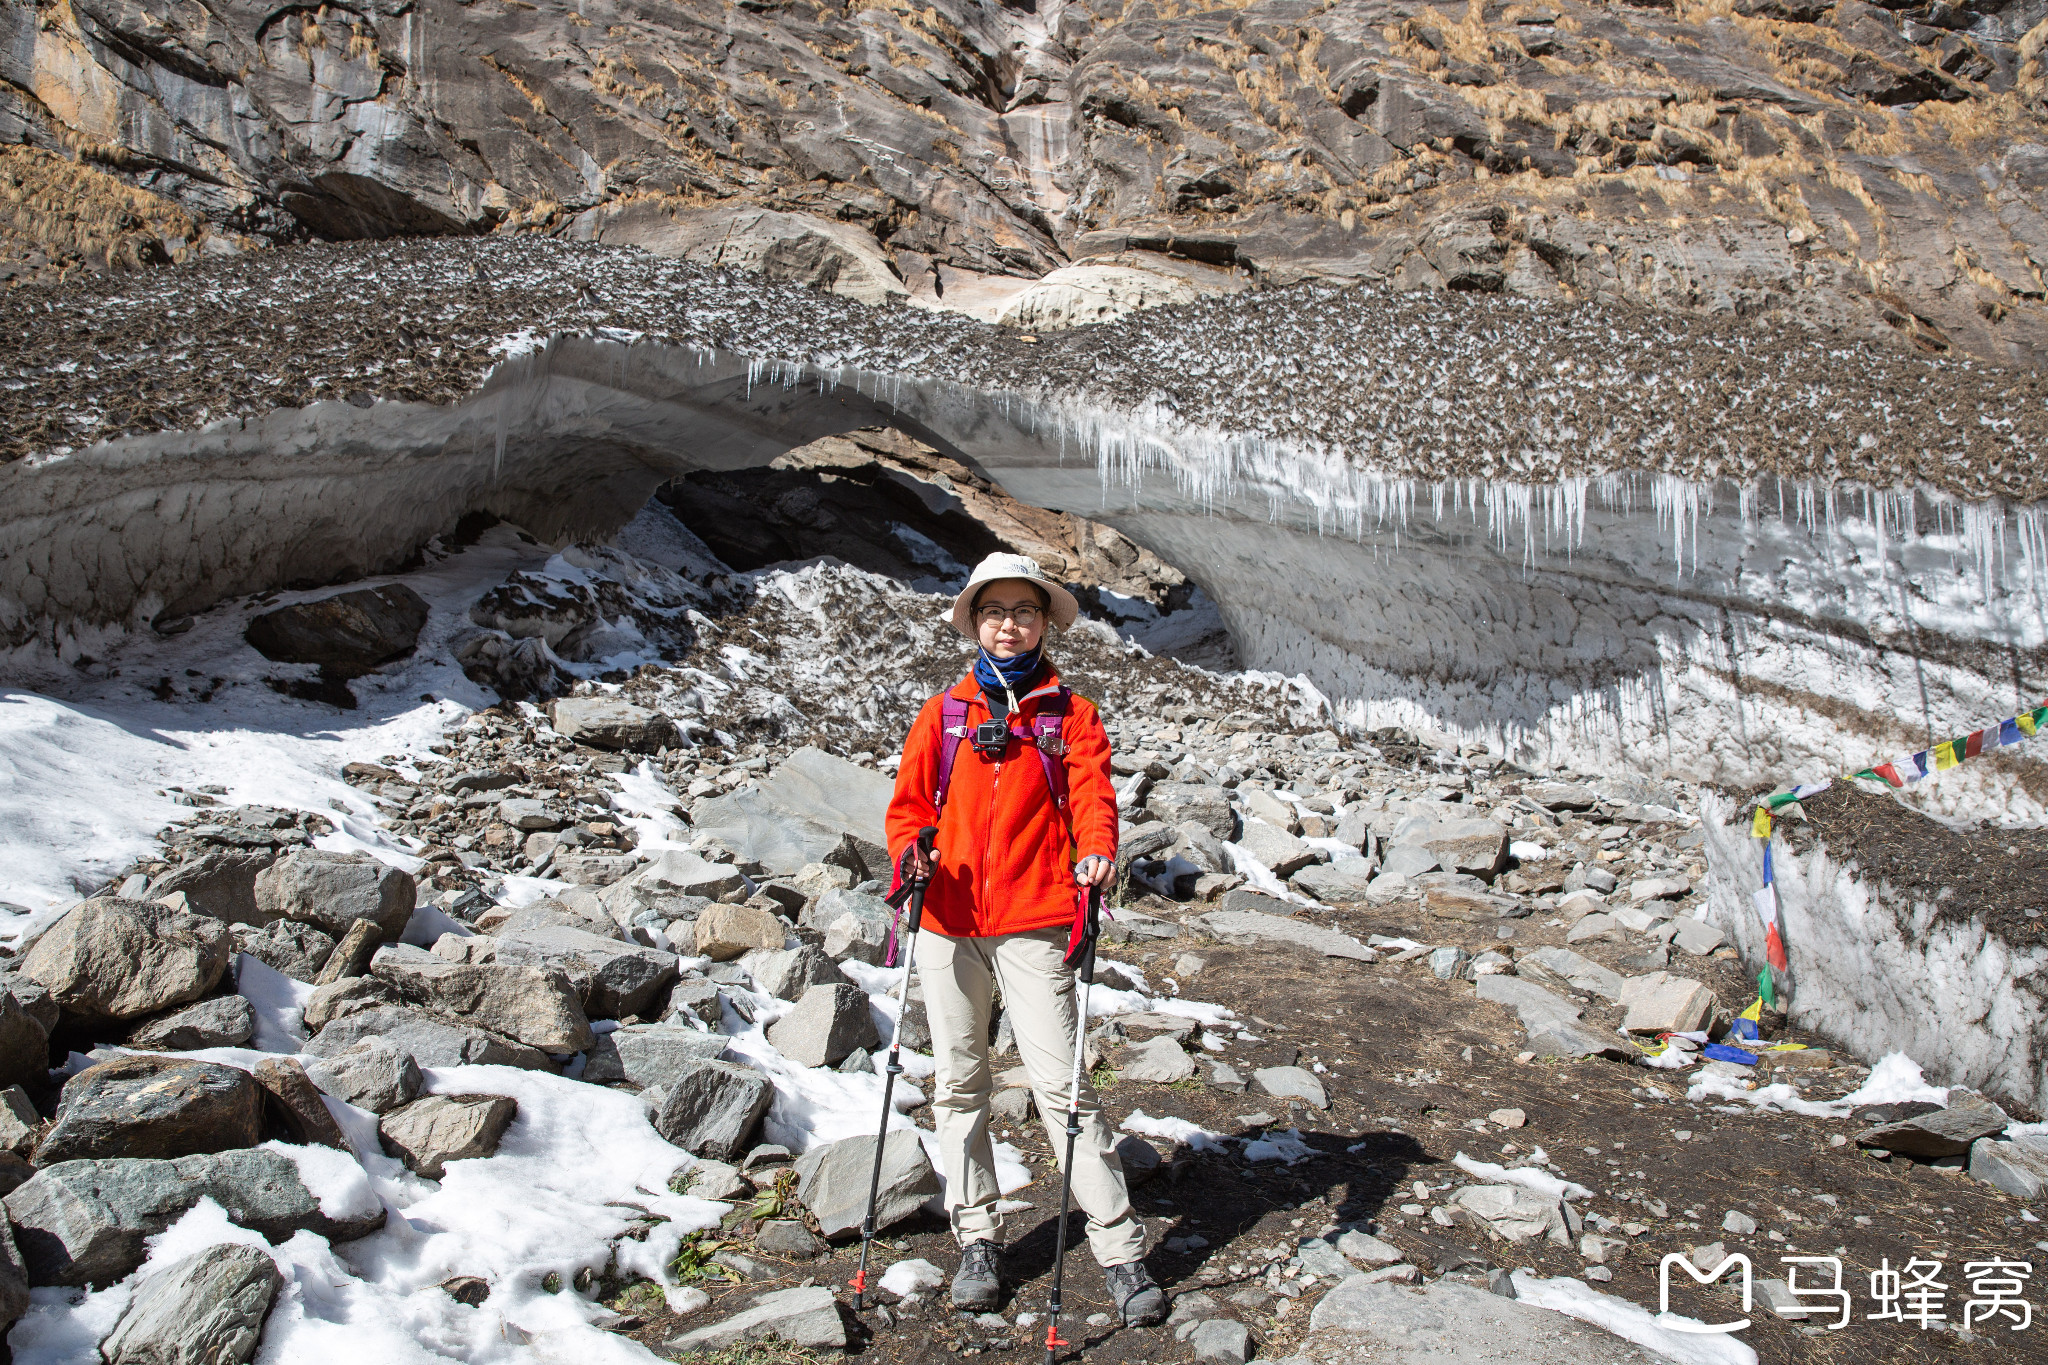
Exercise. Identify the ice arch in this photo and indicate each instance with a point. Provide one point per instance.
(1711, 632)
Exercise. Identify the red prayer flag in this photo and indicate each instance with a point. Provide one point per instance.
(1975, 744)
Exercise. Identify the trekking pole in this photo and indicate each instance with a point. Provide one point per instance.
(912, 888)
(1081, 957)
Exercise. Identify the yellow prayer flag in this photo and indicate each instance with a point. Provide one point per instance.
(1944, 756)
(1761, 827)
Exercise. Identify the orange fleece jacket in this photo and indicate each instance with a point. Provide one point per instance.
(1005, 862)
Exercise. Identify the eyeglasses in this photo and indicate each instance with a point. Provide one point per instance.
(1023, 615)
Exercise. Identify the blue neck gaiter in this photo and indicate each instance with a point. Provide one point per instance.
(994, 674)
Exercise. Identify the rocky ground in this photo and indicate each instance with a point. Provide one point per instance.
(559, 1030)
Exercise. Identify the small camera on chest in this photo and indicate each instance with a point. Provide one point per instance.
(991, 737)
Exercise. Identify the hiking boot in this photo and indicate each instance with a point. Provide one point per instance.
(977, 1284)
(1142, 1303)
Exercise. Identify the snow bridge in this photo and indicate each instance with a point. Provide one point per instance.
(1735, 634)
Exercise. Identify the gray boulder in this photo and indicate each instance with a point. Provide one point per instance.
(206, 1309)
(352, 955)
(1347, 879)
(1552, 1023)
(433, 1041)
(856, 925)
(526, 813)
(332, 890)
(1175, 803)
(832, 1180)
(1278, 851)
(1159, 1060)
(1393, 1322)
(223, 1021)
(154, 1106)
(805, 1317)
(786, 973)
(298, 950)
(608, 723)
(813, 808)
(1572, 969)
(86, 1222)
(1477, 847)
(695, 998)
(24, 1044)
(110, 958)
(1254, 926)
(614, 978)
(2019, 1166)
(1290, 1083)
(827, 1023)
(532, 1005)
(14, 1298)
(345, 997)
(649, 1055)
(725, 932)
(1945, 1132)
(347, 634)
(220, 882)
(434, 1130)
(374, 1074)
(34, 997)
(713, 1108)
(295, 1102)
(1221, 1341)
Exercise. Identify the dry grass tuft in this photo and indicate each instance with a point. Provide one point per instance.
(73, 214)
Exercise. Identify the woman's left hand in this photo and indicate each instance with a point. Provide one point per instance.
(1094, 870)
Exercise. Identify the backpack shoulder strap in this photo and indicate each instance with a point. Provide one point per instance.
(1052, 745)
(952, 729)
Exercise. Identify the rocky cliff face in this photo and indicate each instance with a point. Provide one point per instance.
(1878, 170)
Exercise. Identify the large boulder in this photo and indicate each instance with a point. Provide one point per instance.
(608, 723)
(1477, 847)
(344, 997)
(295, 1101)
(1175, 803)
(375, 1074)
(34, 997)
(437, 1129)
(87, 1222)
(433, 1041)
(154, 1106)
(332, 890)
(670, 881)
(724, 932)
(1943, 1133)
(24, 1044)
(856, 925)
(220, 882)
(1553, 1023)
(1347, 879)
(806, 1317)
(208, 1307)
(223, 1021)
(1388, 1321)
(713, 1108)
(296, 950)
(650, 1055)
(110, 958)
(1663, 1003)
(832, 1180)
(828, 1023)
(14, 1298)
(532, 1005)
(786, 973)
(347, 634)
(1274, 848)
(813, 808)
(615, 978)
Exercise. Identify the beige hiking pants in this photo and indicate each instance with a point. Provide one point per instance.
(958, 976)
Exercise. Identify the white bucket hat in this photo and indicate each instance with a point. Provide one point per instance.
(1063, 607)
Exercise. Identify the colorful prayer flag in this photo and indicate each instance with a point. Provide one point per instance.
(2027, 723)
(1945, 756)
(1761, 826)
(1774, 949)
(1973, 743)
(2009, 730)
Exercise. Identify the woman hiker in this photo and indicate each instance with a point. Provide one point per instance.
(1009, 868)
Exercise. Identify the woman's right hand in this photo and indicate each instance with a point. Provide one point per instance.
(917, 863)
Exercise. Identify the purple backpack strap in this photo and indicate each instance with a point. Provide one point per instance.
(1052, 747)
(952, 729)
